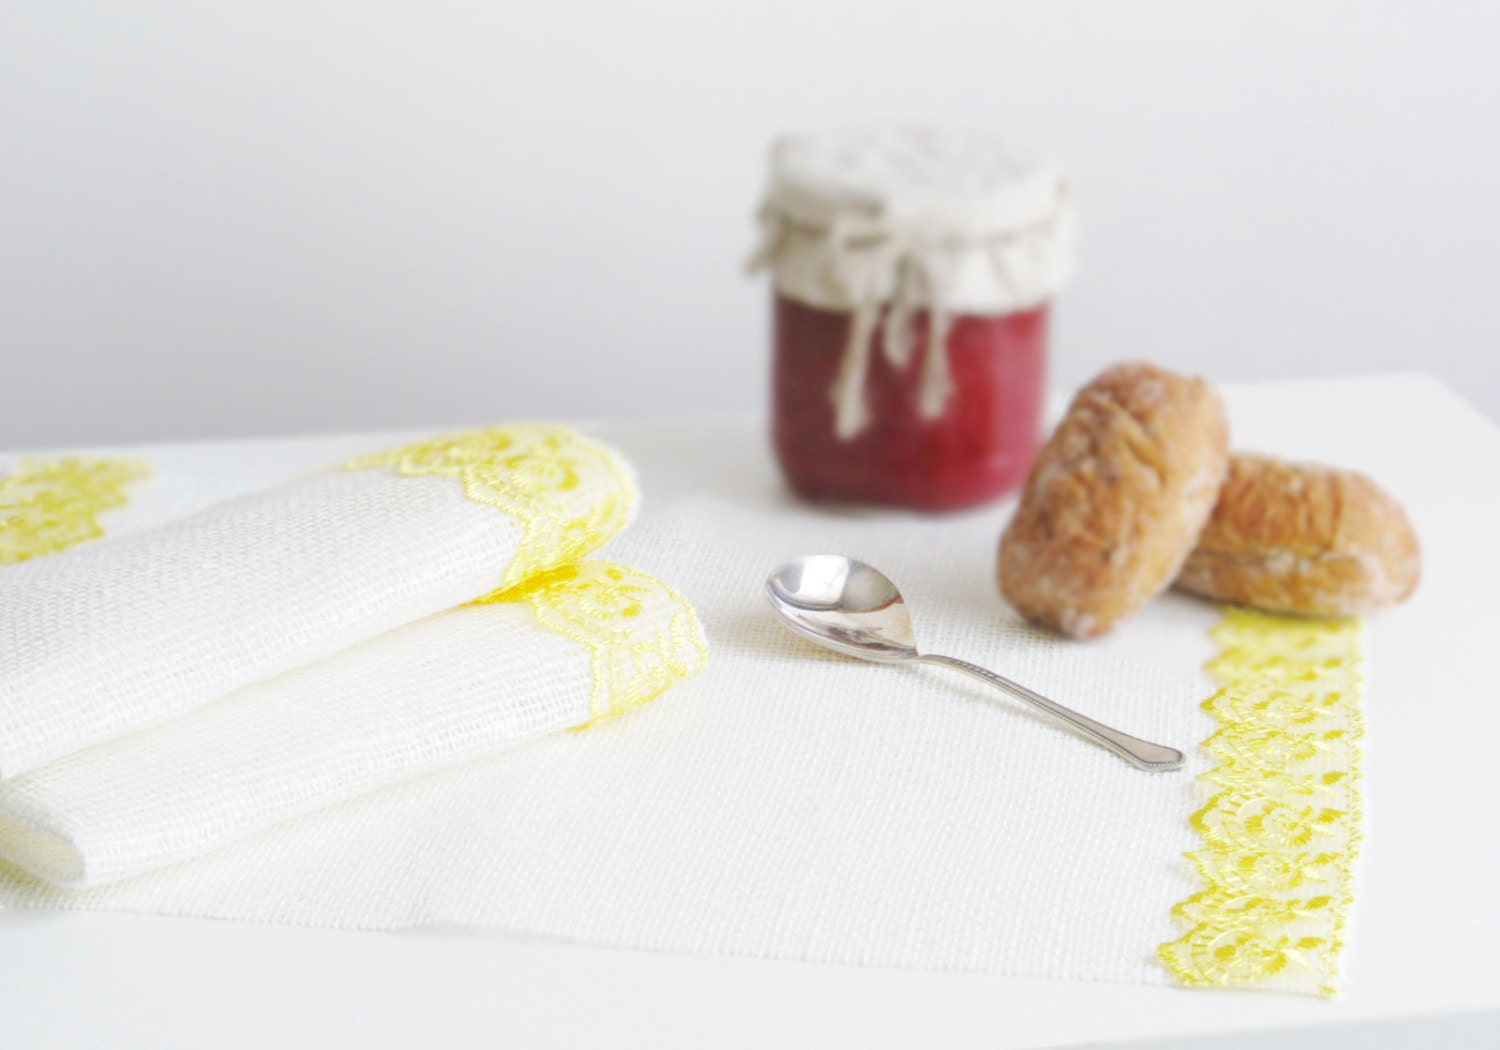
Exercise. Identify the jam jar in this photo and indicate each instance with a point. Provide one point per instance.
(914, 271)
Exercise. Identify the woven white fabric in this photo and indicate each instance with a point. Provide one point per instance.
(126, 632)
(792, 804)
(788, 802)
(448, 687)
(463, 683)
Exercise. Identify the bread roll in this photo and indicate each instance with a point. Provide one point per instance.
(1115, 500)
(1305, 539)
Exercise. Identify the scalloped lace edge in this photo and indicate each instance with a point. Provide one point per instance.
(48, 505)
(642, 637)
(570, 494)
(1282, 831)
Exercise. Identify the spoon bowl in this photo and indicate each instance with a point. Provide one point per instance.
(853, 608)
(844, 604)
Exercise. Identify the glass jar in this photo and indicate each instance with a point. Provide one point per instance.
(914, 271)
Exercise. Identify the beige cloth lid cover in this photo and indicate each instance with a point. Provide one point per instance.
(952, 222)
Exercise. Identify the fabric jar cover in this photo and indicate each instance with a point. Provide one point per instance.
(128, 632)
(912, 218)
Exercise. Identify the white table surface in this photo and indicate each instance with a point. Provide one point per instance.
(1425, 921)
(128, 982)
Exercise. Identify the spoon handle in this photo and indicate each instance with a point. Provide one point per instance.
(1142, 754)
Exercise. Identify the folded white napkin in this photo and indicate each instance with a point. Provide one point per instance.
(114, 635)
(560, 650)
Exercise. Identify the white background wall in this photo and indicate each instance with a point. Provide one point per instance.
(248, 217)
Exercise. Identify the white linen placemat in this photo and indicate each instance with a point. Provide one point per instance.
(801, 805)
(559, 651)
(791, 804)
(126, 632)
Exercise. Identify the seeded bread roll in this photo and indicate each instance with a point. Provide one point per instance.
(1116, 499)
(1306, 539)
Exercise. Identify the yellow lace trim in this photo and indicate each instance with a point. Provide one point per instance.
(1281, 834)
(642, 636)
(571, 495)
(47, 505)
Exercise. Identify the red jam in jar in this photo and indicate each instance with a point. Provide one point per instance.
(888, 247)
(980, 447)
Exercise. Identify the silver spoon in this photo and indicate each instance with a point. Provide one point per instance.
(852, 608)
